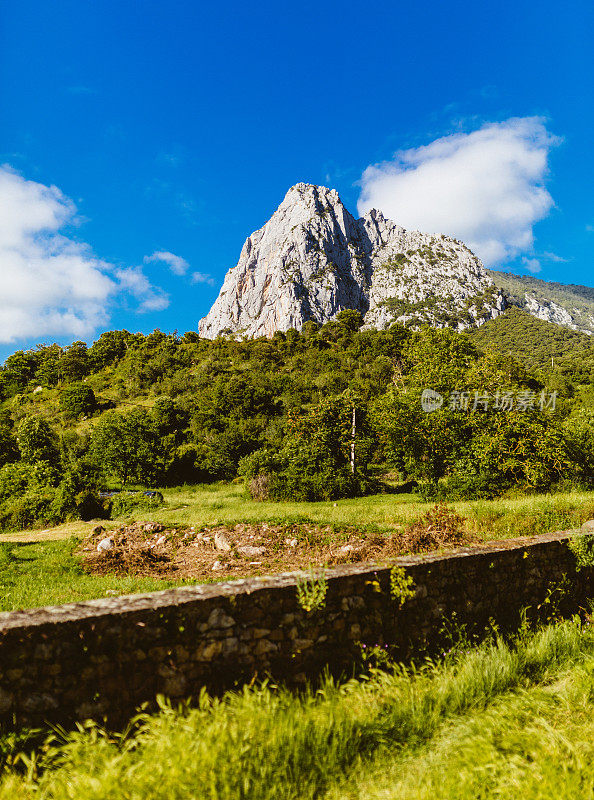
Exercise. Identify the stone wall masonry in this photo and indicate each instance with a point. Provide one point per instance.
(105, 657)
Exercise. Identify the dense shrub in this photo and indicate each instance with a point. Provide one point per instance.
(439, 527)
(125, 503)
(314, 462)
(77, 400)
(259, 486)
(329, 483)
(579, 436)
(128, 446)
(37, 441)
(9, 450)
(34, 506)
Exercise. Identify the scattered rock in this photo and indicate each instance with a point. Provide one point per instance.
(588, 526)
(152, 527)
(348, 553)
(6, 701)
(219, 619)
(250, 550)
(222, 541)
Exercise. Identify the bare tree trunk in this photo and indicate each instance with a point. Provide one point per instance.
(353, 431)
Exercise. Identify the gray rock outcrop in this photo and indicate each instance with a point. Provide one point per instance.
(313, 259)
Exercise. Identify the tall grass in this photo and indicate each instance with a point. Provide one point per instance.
(211, 504)
(534, 743)
(266, 743)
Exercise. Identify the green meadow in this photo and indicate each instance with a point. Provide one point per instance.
(228, 503)
(47, 572)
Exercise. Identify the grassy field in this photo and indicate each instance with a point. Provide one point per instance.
(39, 568)
(214, 504)
(47, 573)
(503, 720)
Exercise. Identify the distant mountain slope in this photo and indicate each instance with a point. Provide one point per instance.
(538, 344)
(565, 304)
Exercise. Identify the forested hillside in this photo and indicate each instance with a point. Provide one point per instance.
(539, 345)
(301, 415)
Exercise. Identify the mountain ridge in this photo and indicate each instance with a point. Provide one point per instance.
(570, 305)
(313, 259)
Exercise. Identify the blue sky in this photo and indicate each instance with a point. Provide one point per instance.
(177, 128)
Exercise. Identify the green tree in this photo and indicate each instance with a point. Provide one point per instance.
(77, 400)
(350, 319)
(579, 435)
(323, 458)
(18, 370)
(37, 442)
(110, 348)
(75, 363)
(9, 450)
(424, 444)
(128, 446)
(525, 449)
(48, 365)
(438, 359)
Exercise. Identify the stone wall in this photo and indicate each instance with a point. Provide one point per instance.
(104, 658)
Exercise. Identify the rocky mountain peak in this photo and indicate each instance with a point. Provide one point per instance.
(313, 259)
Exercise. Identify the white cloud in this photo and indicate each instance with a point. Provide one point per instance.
(531, 264)
(554, 257)
(485, 187)
(202, 277)
(52, 285)
(150, 298)
(177, 264)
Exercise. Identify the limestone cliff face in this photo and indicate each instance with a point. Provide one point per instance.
(312, 259)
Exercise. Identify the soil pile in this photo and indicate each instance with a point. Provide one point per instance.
(223, 552)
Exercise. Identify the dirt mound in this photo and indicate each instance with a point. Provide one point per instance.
(132, 550)
(222, 552)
